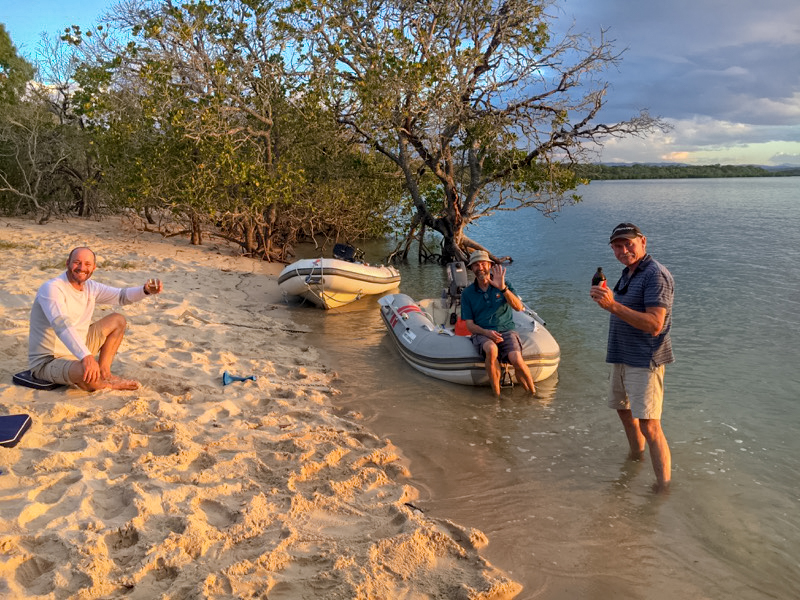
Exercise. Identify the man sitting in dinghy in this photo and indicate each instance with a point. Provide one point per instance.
(486, 307)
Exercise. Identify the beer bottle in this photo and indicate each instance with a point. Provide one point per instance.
(599, 277)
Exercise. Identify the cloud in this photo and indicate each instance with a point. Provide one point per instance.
(702, 140)
(725, 73)
(783, 159)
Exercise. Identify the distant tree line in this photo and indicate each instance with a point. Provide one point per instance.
(269, 123)
(645, 171)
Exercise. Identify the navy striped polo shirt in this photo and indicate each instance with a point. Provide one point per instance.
(651, 284)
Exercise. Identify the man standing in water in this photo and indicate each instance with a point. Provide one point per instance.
(639, 345)
(486, 307)
(62, 342)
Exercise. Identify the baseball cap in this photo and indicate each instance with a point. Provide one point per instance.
(625, 230)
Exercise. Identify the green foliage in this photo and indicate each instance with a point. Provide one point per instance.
(35, 154)
(15, 71)
(194, 114)
(477, 96)
(269, 123)
(47, 161)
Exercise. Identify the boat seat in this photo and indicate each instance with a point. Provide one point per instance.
(438, 311)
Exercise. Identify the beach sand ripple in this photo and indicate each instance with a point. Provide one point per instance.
(186, 488)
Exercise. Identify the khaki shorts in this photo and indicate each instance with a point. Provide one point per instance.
(57, 369)
(638, 389)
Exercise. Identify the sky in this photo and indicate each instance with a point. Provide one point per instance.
(725, 74)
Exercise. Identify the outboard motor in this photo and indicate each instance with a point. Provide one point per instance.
(457, 279)
(347, 252)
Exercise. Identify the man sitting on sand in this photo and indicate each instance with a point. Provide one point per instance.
(61, 330)
(486, 307)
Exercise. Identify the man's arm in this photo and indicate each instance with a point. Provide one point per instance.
(497, 278)
(513, 300)
(651, 321)
(114, 296)
(474, 328)
(55, 311)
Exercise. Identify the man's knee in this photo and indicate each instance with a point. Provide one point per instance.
(490, 350)
(516, 359)
(112, 323)
(120, 322)
(76, 374)
(650, 428)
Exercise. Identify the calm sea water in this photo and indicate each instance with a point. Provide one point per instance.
(546, 478)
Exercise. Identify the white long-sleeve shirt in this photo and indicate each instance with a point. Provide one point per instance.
(61, 315)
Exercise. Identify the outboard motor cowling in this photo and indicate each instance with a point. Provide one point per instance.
(457, 280)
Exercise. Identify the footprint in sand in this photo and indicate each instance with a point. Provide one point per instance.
(203, 462)
(367, 440)
(217, 515)
(70, 444)
(36, 575)
(120, 544)
(112, 503)
(163, 571)
(55, 492)
(124, 537)
(162, 445)
(286, 393)
(174, 388)
(177, 344)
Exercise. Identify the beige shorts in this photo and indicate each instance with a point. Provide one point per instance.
(57, 369)
(638, 389)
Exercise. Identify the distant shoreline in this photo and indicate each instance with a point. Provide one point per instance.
(604, 172)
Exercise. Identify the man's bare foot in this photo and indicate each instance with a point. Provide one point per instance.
(661, 488)
(636, 455)
(117, 383)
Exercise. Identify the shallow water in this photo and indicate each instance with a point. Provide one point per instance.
(546, 478)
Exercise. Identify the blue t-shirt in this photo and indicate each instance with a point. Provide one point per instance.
(651, 284)
(488, 309)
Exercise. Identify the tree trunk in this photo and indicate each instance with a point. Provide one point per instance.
(451, 240)
(196, 232)
(250, 243)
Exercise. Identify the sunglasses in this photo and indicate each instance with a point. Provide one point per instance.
(623, 290)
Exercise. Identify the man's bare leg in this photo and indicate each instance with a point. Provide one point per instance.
(636, 440)
(492, 366)
(659, 452)
(522, 372)
(113, 329)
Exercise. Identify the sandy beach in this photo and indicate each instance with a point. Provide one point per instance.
(186, 488)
